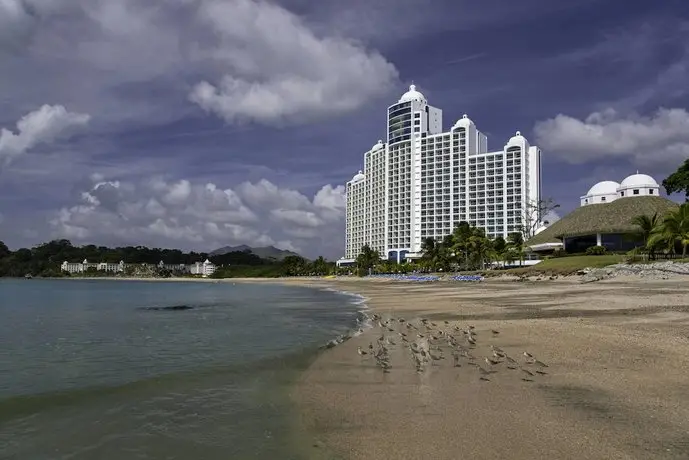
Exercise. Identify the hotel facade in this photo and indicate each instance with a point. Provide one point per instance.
(422, 181)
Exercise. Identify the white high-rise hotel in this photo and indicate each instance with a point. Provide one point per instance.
(423, 181)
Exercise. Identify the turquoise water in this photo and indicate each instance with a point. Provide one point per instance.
(88, 370)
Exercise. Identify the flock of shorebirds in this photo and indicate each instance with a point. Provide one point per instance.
(427, 343)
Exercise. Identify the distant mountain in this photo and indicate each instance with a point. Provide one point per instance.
(266, 252)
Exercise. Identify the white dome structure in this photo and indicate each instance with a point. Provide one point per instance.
(358, 177)
(638, 185)
(412, 95)
(603, 192)
(377, 145)
(464, 122)
(634, 185)
(517, 141)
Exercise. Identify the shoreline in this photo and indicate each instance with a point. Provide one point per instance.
(615, 351)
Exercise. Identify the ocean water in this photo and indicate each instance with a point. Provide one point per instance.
(89, 371)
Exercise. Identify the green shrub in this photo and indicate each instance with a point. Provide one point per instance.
(560, 252)
(596, 251)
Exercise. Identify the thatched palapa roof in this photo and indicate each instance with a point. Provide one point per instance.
(613, 217)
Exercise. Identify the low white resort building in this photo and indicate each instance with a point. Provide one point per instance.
(423, 181)
(206, 268)
(81, 267)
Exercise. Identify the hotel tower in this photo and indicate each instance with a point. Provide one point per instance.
(423, 181)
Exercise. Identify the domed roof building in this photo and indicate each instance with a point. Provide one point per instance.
(638, 185)
(603, 192)
(412, 95)
(605, 217)
(463, 122)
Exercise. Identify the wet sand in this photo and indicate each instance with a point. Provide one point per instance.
(616, 385)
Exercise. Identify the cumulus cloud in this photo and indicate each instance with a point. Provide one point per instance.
(184, 214)
(658, 139)
(42, 126)
(298, 76)
(243, 60)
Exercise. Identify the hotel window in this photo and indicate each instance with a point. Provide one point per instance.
(636, 191)
(602, 198)
(650, 192)
(622, 193)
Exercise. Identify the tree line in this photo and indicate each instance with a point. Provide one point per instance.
(45, 260)
(466, 248)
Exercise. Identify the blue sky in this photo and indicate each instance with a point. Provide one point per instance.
(201, 123)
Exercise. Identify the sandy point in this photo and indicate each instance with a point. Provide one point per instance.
(617, 356)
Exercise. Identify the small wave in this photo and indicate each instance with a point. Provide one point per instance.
(363, 320)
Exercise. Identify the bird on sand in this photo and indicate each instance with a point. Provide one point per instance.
(360, 351)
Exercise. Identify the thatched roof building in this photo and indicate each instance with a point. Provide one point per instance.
(605, 218)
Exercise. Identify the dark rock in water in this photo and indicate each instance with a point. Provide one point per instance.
(169, 308)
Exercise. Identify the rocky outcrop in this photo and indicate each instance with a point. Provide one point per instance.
(656, 270)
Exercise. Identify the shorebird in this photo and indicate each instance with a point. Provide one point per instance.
(541, 372)
(456, 359)
(491, 362)
(370, 346)
(360, 351)
(540, 363)
(528, 355)
(527, 372)
(447, 323)
(494, 332)
(484, 374)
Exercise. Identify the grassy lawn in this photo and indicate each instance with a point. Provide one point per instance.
(564, 265)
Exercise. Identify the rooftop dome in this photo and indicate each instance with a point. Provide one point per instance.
(377, 145)
(517, 139)
(358, 176)
(638, 180)
(606, 187)
(465, 121)
(412, 95)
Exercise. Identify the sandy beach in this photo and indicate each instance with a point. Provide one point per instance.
(615, 385)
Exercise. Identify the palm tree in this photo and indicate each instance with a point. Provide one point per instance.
(675, 228)
(366, 259)
(435, 254)
(648, 225)
(515, 241)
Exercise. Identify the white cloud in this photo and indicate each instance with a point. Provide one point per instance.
(43, 126)
(646, 141)
(183, 214)
(277, 70)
